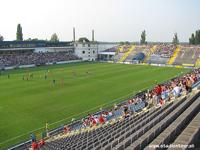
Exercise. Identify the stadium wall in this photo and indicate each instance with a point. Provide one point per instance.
(33, 65)
(54, 49)
(159, 65)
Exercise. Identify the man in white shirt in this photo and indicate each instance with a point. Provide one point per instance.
(177, 91)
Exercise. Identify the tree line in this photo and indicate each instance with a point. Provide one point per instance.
(19, 36)
(195, 38)
(143, 40)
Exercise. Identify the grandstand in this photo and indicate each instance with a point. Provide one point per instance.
(165, 54)
(14, 54)
(138, 49)
(161, 54)
(187, 56)
(20, 58)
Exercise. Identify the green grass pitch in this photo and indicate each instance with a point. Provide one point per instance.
(26, 106)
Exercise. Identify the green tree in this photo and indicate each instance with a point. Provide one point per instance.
(192, 39)
(175, 40)
(124, 43)
(197, 37)
(121, 43)
(127, 42)
(54, 38)
(198, 40)
(143, 38)
(19, 34)
(1, 38)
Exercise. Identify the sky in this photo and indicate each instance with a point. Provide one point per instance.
(112, 20)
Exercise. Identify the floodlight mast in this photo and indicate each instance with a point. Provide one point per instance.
(74, 35)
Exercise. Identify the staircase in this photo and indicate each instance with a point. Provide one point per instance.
(151, 51)
(127, 54)
(175, 54)
(120, 48)
(198, 63)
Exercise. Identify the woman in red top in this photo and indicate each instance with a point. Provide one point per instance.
(34, 146)
(101, 119)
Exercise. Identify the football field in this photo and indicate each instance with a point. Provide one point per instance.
(69, 91)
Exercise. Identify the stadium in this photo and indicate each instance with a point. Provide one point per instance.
(86, 94)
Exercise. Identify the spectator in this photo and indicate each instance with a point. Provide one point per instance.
(158, 91)
(176, 91)
(41, 143)
(66, 129)
(34, 145)
(101, 119)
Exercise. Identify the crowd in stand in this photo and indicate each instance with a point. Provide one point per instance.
(191, 46)
(112, 49)
(165, 50)
(125, 48)
(27, 58)
(143, 49)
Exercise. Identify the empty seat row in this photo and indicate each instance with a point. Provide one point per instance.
(139, 128)
(144, 136)
(191, 134)
(150, 135)
(137, 125)
(174, 129)
(113, 131)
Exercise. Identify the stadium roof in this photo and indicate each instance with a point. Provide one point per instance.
(32, 44)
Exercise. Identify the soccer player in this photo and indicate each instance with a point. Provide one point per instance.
(74, 73)
(27, 77)
(54, 81)
(31, 75)
(45, 76)
(87, 72)
(8, 76)
(62, 81)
